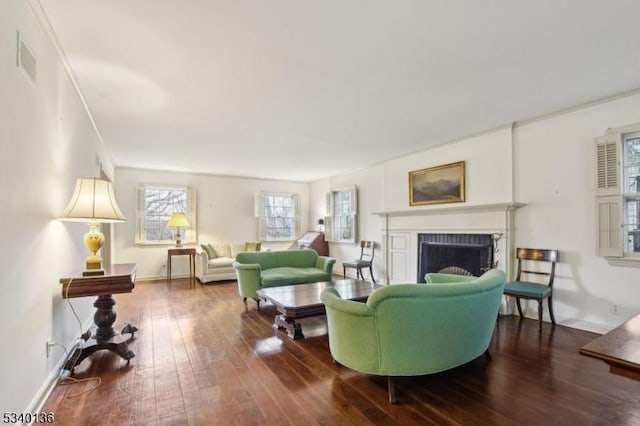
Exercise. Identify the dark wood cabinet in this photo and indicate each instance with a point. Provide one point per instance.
(313, 240)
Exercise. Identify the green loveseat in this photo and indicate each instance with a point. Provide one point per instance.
(415, 329)
(256, 270)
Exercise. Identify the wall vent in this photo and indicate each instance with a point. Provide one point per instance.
(26, 61)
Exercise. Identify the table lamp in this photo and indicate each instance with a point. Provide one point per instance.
(178, 220)
(93, 202)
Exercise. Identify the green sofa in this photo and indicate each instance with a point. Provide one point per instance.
(256, 270)
(415, 329)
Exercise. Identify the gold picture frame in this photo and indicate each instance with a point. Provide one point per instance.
(437, 185)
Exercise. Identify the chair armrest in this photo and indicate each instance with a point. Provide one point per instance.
(202, 259)
(436, 278)
(249, 280)
(331, 298)
(325, 263)
(353, 337)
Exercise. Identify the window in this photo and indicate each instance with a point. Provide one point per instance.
(618, 192)
(631, 189)
(155, 206)
(278, 216)
(340, 219)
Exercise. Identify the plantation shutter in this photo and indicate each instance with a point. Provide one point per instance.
(258, 212)
(609, 220)
(191, 233)
(609, 202)
(328, 216)
(354, 213)
(140, 215)
(608, 164)
(296, 206)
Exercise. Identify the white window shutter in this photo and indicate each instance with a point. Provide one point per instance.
(608, 164)
(296, 213)
(328, 228)
(354, 201)
(354, 214)
(609, 220)
(328, 216)
(328, 205)
(140, 214)
(191, 232)
(258, 212)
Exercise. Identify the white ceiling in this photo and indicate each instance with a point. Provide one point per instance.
(304, 89)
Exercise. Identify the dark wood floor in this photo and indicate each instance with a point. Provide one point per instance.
(201, 360)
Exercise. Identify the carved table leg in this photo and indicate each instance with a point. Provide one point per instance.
(105, 336)
(294, 330)
(104, 317)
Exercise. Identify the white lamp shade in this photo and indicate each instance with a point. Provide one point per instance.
(93, 201)
(178, 220)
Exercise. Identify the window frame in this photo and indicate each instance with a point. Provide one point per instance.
(629, 196)
(260, 210)
(333, 221)
(189, 235)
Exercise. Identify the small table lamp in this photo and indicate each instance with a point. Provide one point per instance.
(178, 220)
(93, 202)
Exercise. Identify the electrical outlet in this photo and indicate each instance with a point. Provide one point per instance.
(614, 309)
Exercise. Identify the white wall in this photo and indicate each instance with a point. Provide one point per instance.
(487, 168)
(47, 141)
(546, 164)
(555, 176)
(225, 214)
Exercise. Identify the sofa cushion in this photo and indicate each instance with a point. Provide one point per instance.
(252, 246)
(289, 275)
(300, 258)
(220, 262)
(266, 260)
(222, 250)
(209, 250)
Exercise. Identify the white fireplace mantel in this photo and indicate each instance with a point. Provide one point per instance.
(400, 229)
(458, 208)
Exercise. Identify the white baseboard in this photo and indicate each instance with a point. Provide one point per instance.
(573, 323)
(40, 398)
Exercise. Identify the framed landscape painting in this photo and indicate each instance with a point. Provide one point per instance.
(435, 185)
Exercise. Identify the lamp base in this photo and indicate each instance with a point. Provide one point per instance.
(92, 272)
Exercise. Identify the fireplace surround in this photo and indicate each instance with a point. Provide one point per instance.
(488, 225)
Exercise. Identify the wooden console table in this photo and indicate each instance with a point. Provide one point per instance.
(620, 348)
(118, 278)
(183, 251)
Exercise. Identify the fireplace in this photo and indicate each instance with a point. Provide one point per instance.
(464, 254)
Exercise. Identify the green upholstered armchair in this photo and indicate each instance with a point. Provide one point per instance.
(415, 329)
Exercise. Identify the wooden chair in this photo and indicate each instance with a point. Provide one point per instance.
(367, 251)
(521, 289)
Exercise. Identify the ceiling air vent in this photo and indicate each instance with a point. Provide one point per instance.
(26, 60)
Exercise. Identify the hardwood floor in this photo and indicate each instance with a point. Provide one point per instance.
(202, 359)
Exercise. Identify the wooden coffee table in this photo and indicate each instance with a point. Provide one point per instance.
(303, 300)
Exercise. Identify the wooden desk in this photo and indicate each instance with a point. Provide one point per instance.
(117, 279)
(183, 251)
(620, 348)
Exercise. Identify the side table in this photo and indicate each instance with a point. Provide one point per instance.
(118, 278)
(183, 251)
